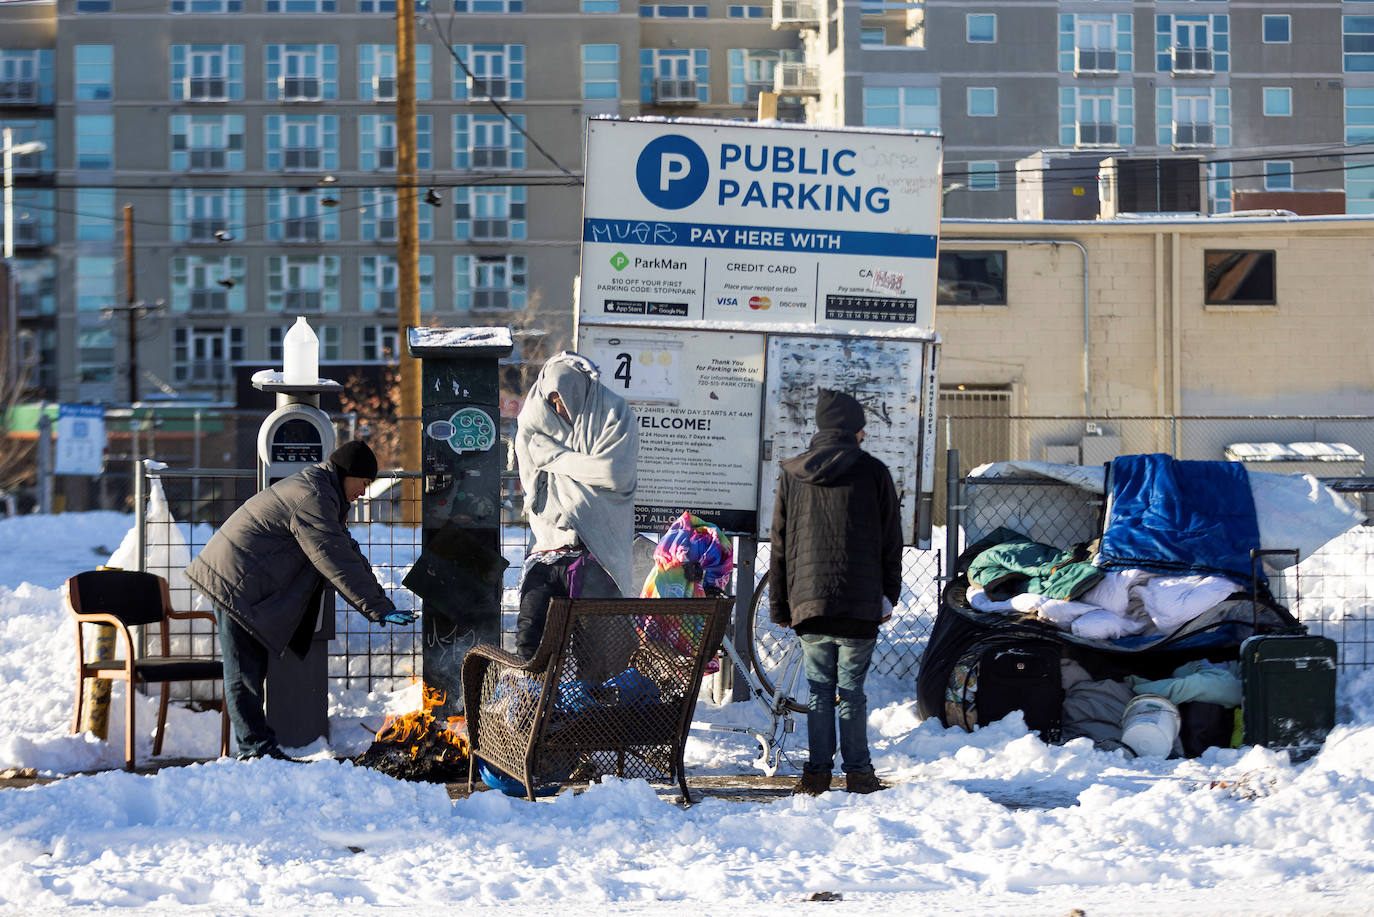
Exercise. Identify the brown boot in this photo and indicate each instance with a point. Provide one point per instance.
(865, 781)
(812, 783)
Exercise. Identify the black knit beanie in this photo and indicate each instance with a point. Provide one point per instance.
(355, 459)
(838, 411)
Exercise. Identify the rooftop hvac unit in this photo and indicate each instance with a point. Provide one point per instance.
(1152, 185)
(1058, 184)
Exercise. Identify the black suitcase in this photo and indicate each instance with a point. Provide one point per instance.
(1022, 677)
(1288, 686)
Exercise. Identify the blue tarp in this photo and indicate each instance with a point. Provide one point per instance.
(1175, 516)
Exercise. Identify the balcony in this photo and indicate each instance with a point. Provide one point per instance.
(209, 301)
(384, 88)
(386, 159)
(1193, 135)
(301, 159)
(299, 89)
(793, 79)
(204, 230)
(490, 298)
(303, 300)
(1089, 134)
(1093, 62)
(18, 92)
(386, 301)
(207, 160)
(490, 157)
(674, 91)
(796, 14)
(490, 230)
(301, 229)
(1192, 61)
(752, 88)
(205, 89)
(491, 87)
(207, 371)
(386, 230)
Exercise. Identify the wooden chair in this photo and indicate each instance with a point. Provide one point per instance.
(128, 598)
(610, 691)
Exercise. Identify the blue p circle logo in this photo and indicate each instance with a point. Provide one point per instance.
(672, 172)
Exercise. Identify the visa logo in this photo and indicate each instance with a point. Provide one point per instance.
(727, 301)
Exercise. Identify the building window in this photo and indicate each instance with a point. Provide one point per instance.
(95, 6)
(1193, 118)
(26, 77)
(95, 141)
(301, 216)
(489, 214)
(1096, 44)
(1278, 101)
(302, 284)
(980, 28)
(23, 131)
(302, 143)
(673, 11)
(1357, 41)
(752, 71)
(204, 356)
(301, 73)
(1194, 43)
(95, 355)
(202, 6)
(207, 143)
(498, 72)
(488, 6)
(982, 101)
(972, 278)
(488, 142)
(378, 216)
(275, 336)
(1096, 117)
(330, 342)
(601, 71)
(35, 217)
(377, 143)
(207, 215)
(379, 283)
(1277, 29)
(908, 107)
(95, 283)
(207, 285)
(489, 283)
(95, 215)
(1219, 187)
(1278, 175)
(298, 6)
(377, 73)
(379, 342)
(207, 73)
(37, 283)
(739, 11)
(1239, 278)
(982, 175)
(872, 37)
(674, 76)
(94, 73)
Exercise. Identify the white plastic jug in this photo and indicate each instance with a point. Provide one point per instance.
(301, 353)
(1150, 725)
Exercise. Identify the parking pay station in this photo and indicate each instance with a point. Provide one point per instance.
(297, 434)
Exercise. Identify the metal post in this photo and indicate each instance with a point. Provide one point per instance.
(195, 462)
(45, 459)
(745, 556)
(141, 515)
(953, 513)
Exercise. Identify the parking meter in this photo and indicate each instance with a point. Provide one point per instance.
(295, 435)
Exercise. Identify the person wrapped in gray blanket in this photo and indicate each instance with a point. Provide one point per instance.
(577, 445)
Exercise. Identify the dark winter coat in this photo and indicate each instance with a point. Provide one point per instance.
(266, 561)
(837, 535)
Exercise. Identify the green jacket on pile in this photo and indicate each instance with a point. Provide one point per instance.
(1021, 565)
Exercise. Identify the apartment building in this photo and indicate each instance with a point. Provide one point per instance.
(255, 141)
(1276, 95)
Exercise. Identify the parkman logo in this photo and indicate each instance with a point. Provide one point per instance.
(619, 261)
(672, 172)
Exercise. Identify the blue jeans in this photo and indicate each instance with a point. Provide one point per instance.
(245, 676)
(835, 670)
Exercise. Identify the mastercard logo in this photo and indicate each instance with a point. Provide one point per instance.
(759, 302)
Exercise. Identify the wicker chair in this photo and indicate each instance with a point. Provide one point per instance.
(610, 691)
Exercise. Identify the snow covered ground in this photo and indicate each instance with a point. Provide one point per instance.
(989, 823)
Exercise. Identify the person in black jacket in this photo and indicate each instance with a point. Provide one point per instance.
(836, 573)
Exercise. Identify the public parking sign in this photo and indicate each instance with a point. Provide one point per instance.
(80, 439)
(709, 221)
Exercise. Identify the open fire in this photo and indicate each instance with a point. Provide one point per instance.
(418, 746)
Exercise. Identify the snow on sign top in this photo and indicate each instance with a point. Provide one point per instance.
(729, 222)
(435, 341)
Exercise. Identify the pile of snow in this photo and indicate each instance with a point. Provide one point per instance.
(990, 823)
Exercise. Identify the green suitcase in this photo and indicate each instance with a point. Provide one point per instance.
(1289, 692)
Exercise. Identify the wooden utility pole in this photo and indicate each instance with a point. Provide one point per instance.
(407, 253)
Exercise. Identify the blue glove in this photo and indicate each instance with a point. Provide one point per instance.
(399, 617)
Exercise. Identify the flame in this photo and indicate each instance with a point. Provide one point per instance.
(420, 733)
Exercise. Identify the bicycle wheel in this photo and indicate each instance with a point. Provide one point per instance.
(770, 646)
